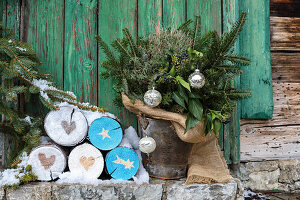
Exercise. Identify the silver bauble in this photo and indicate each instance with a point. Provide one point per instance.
(152, 98)
(147, 144)
(197, 79)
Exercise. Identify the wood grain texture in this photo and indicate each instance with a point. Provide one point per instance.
(12, 16)
(285, 34)
(80, 54)
(258, 137)
(150, 16)
(45, 21)
(209, 11)
(285, 67)
(230, 15)
(173, 13)
(285, 8)
(270, 143)
(115, 15)
(255, 44)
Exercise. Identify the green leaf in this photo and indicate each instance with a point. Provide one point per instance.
(172, 71)
(183, 83)
(183, 94)
(193, 95)
(217, 126)
(196, 108)
(190, 122)
(178, 99)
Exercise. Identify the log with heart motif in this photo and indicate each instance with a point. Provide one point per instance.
(48, 161)
(87, 160)
(67, 126)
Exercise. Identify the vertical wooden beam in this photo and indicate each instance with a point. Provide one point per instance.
(114, 15)
(80, 49)
(44, 31)
(174, 13)
(12, 16)
(149, 16)
(209, 11)
(255, 44)
(230, 15)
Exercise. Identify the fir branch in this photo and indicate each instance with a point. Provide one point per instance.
(229, 39)
(130, 40)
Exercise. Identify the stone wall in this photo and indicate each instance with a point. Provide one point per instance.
(283, 175)
(155, 190)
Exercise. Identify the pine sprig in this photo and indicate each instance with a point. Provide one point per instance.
(167, 58)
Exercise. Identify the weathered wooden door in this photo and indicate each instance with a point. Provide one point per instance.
(62, 33)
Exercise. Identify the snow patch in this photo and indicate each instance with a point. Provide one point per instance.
(21, 49)
(10, 177)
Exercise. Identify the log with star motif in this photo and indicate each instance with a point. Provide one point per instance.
(122, 163)
(105, 133)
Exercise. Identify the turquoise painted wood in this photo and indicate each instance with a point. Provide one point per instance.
(105, 133)
(62, 33)
(80, 49)
(174, 13)
(150, 15)
(44, 22)
(122, 163)
(209, 12)
(114, 15)
(232, 130)
(255, 44)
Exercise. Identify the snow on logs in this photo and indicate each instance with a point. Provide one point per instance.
(66, 127)
(69, 127)
(47, 161)
(105, 133)
(86, 160)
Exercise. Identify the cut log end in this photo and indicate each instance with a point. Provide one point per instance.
(66, 127)
(87, 160)
(105, 133)
(122, 163)
(48, 162)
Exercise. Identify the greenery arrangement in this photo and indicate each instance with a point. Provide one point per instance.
(21, 77)
(166, 59)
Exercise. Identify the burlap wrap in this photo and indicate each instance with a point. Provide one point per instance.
(206, 163)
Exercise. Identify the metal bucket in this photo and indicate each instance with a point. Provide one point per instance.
(169, 160)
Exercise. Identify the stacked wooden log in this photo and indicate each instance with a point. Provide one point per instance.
(69, 132)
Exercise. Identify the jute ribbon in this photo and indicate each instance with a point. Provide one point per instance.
(206, 163)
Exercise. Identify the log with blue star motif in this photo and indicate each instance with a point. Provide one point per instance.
(105, 133)
(122, 163)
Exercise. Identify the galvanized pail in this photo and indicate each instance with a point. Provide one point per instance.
(169, 160)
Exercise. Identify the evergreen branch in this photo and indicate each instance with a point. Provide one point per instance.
(107, 51)
(196, 31)
(16, 57)
(183, 27)
(238, 60)
(130, 40)
(229, 39)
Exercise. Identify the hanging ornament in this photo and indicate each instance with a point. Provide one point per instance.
(147, 144)
(197, 79)
(152, 98)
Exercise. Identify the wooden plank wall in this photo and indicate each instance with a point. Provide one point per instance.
(278, 138)
(62, 33)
